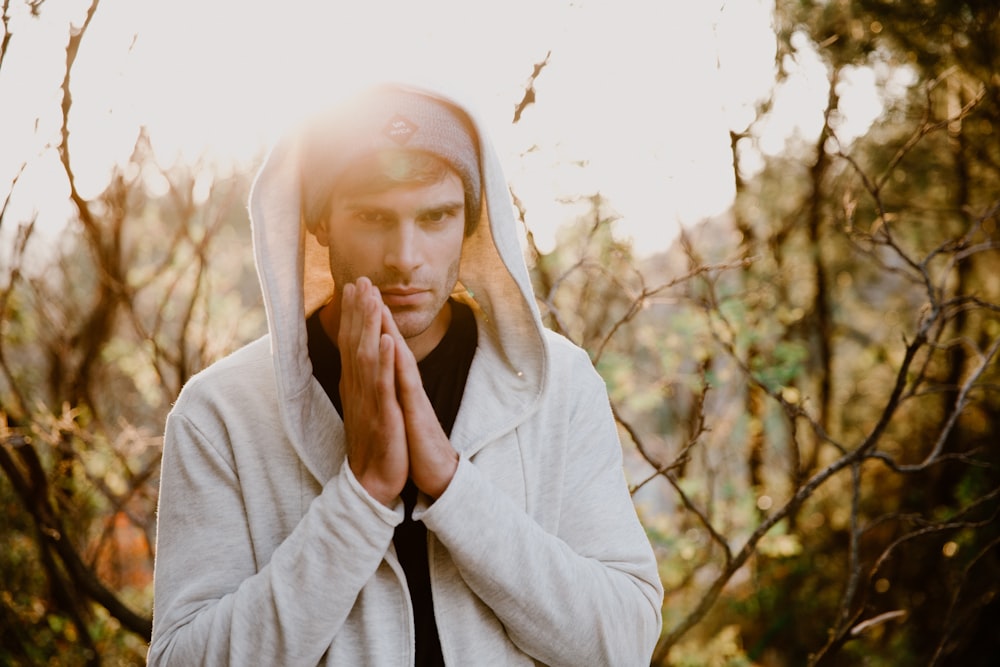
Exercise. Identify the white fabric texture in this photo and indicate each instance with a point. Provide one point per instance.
(269, 551)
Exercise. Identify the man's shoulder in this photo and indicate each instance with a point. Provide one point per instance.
(568, 362)
(247, 368)
(564, 351)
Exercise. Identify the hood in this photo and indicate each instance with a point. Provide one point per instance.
(509, 371)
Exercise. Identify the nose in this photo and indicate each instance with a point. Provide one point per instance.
(403, 248)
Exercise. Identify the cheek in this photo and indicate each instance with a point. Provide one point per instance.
(342, 267)
(360, 250)
(452, 258)
(449, 247)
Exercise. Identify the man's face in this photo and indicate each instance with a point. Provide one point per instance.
(408, 241)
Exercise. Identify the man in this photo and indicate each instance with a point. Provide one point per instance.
(409, 469)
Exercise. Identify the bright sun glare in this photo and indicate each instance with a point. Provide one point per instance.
(635, 102)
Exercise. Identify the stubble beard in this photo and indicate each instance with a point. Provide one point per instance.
(411, 322)
(422, 319)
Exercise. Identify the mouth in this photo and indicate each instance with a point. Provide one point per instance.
(403, 296)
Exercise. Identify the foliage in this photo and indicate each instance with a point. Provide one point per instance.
(103, 322)
(806, 387)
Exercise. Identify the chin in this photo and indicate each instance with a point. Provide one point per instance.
(412, 324)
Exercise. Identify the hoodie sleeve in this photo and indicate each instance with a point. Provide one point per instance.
(590, 593)
(212, 605)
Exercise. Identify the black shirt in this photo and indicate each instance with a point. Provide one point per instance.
(443, 373)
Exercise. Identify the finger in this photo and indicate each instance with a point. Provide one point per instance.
(410, 385)
(411, 389)
(371, 326)
(347, 296)
(347, 338)
(404, 357)
(352, 315)
(386, 375)
(389, 324)
(357, 320)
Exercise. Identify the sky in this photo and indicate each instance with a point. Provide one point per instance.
(635, 102)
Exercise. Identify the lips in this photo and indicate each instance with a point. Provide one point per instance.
(404, 296)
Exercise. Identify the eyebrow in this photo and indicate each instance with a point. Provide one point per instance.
(444, 206)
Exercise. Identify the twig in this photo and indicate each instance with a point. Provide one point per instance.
(529, 89)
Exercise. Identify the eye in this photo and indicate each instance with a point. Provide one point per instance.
(439, 215)
(371, 217)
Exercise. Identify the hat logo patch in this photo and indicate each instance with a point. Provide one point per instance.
(400, 129)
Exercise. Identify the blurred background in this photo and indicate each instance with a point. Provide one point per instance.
(773, 225)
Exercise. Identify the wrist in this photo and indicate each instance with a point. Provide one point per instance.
(379, 491)
(375, 486)
(444, 473)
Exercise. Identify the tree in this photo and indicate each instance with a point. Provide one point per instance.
(96, 344)
(806, 386)
(811, 381)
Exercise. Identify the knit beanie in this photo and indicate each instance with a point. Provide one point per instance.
(386, 119)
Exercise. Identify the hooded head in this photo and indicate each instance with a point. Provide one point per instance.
(385, 127)
(289, 201)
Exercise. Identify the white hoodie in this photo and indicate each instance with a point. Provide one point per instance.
(269, 551)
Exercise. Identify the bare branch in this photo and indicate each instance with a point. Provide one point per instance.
(529, 89)
(32, 487)
(5, 21)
